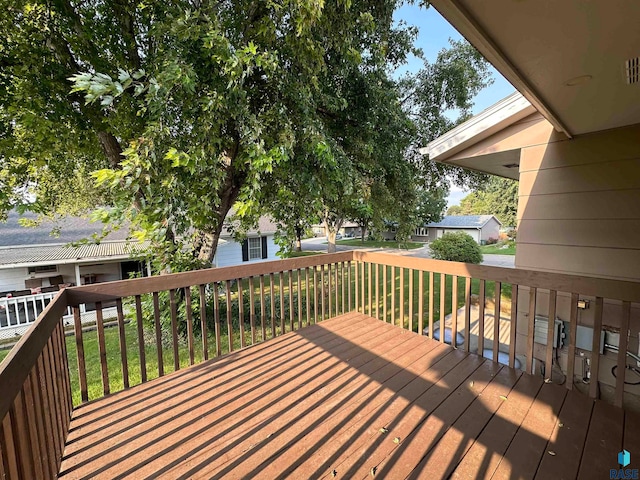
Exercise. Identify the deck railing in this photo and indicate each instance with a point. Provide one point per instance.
(164, 323)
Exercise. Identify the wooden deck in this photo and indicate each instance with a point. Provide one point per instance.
(349, 398)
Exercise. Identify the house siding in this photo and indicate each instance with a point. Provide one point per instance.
(490, 230)
(230, 253)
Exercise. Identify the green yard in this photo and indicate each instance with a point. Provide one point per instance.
(498, 249)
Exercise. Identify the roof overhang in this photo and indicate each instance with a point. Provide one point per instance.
(569, 59)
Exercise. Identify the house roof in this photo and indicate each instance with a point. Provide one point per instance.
(11, 257)
(71, 229)
(266, 226)
(573, 60)
(463, 221)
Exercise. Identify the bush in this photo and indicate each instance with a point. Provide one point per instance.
(456, 247)
(492, 241)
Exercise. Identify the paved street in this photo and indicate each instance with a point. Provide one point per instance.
(319, 244)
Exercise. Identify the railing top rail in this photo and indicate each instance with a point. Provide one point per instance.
(591, 286)
(139, 286)
(15, 368)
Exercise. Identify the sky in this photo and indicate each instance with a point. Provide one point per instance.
(434, 35)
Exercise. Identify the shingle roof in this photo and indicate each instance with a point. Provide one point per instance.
(463, 221)
(71, 229)
(265, 226)
(43, 254)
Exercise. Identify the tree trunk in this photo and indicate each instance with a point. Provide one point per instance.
(363, 231)
(298, 247)
(331, 240)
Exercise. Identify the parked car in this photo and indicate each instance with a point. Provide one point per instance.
(338, 236)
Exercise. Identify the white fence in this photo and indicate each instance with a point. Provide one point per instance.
(18, 313)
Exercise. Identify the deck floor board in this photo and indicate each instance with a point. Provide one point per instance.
(312, 403)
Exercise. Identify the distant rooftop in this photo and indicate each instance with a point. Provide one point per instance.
(463, 221)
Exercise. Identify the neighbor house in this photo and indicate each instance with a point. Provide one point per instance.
(480, 227)
(258, 246)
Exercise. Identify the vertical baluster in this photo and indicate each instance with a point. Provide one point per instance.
(443, 286)
(531, 328)
(36, 425)
(420, 302)
(401, 298)
(369, 292)
(229, 317)
(241, 312)
(322, 291)
(411, 299)
(216, 318)
(454, 310)
(263, 327)
(9, 448)
(343, 299)
(513, 327)
(335, 290)
(573, 333)
(174, 329)
(102, 349)
(252, 311)
(550, 332)
(496, 321)
(431, 300)
(61, 359)
(140, 331)
(356, 281)
(595, 349)
(158, 328)
(622, 353)
(384, 293)
(52, 402)
(203, 322)
(20, 429)
(291, 303)
(315, 295)
(349, 282)
(82, 370)
(273, 304)
(467, 313)
(481, 301)
(47, 413)
(330, 290)
(377, 282)
(393, 295)
(123, 343)
(299, 285)
(363, 283)
(282, 325)
(307, 295)
(189, 314)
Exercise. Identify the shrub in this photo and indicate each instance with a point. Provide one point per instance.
(456, 247)
(492, 241)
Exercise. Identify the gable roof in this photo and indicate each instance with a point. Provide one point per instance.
(463, 221)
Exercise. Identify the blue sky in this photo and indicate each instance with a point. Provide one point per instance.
(434, 35)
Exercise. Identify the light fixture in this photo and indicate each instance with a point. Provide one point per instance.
(575, 81)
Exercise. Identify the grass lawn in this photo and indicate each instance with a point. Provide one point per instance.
(498, 250)
(393, 274)
(355, 242)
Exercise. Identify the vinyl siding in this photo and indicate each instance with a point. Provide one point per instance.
(230, 253)
(579, 206)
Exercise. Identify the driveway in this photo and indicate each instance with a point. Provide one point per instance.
(319, 244)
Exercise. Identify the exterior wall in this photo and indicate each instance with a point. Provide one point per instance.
(13, 279)
(230, 253)
(104, 272)
(490, 230)
(578, 209)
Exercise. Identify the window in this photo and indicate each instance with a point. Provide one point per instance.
(43, 269)
(422, 232)
(255, 248)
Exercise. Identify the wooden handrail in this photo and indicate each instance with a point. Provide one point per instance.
(138, 286)
(622, 290)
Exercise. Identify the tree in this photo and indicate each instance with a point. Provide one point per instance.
(183, 109)
(498, 197)
(454, 210)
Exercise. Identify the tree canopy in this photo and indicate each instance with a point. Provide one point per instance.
(182, 110)
(498, 197)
